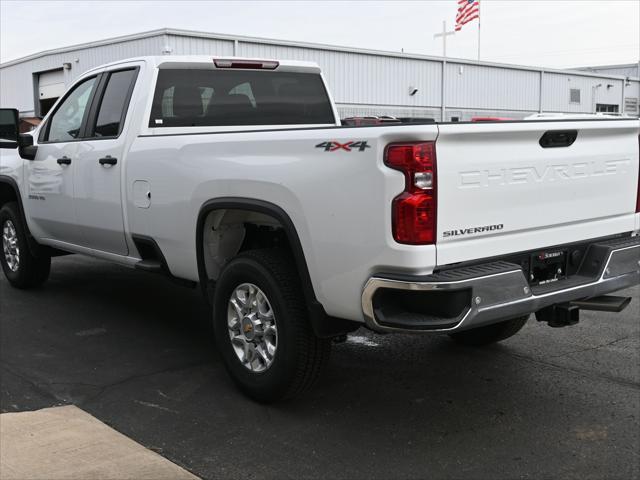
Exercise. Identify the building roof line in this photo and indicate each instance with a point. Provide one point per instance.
(618, 65)
(290, 43)
(79, 46)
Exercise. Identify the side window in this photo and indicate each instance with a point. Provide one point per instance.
(167, 102)
(244, 89)
(66, 121)
(206, 93)
(114, 104)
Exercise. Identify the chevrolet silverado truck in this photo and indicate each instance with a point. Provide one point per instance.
(235, 175)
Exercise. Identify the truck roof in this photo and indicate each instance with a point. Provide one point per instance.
(207, 61)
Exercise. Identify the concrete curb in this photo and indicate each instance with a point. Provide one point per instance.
(67, 443)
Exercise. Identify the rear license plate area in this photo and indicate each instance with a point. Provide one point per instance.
(548, 266)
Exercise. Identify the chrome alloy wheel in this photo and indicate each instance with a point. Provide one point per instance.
(10, 245)
(252, 327)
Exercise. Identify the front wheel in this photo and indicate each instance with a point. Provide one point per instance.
(20, 266)
(262, 327)
(491, 333)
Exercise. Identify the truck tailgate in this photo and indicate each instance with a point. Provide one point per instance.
(500, 191)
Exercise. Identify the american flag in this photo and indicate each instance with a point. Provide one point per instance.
(467, 10)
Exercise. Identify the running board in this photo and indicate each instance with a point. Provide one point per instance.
(155, 266)
(153, 260)
(152, 266)
(605, 303)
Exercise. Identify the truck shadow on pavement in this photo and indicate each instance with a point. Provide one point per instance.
(136, 351)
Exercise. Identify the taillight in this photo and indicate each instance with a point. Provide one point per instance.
(414, 210)
(247, 64)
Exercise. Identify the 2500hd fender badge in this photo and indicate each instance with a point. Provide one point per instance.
(472, 230)
(348, 146)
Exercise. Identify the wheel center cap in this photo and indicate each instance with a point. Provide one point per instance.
(248, 328)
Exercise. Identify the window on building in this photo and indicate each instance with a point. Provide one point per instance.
(574, 95)
(606, 108)
(241, 97)
(65, 123)
(113, 106)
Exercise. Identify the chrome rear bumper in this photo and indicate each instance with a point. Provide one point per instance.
(497, 291)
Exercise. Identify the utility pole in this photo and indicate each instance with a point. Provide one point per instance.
(444, 36)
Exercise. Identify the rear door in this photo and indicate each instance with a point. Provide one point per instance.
(98, 176)
(509, 187)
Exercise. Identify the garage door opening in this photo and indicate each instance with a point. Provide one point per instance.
(50, 87)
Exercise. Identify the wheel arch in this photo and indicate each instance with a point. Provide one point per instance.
(323, 325)
(257, 206)
(10, 192)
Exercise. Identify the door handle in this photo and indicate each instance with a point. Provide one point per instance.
(108, 160)
(64, 161)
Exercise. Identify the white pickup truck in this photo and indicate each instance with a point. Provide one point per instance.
(236, 175)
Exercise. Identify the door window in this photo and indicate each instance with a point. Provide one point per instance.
(66, 122)
(113, 106)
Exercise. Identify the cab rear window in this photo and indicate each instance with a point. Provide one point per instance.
(192, 98)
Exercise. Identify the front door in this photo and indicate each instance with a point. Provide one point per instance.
(51, 175)
(99, 170)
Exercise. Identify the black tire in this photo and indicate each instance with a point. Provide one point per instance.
(300, 356)
(31, 271)
(489, 334)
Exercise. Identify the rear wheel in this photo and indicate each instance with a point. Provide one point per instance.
(491, 333)
(20, 266)
(262, 327)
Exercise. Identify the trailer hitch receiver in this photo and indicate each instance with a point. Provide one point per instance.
(560, 315)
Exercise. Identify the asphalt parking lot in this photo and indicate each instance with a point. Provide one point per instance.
(135, 351)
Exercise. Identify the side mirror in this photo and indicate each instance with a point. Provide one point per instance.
(26, 148)
(9, 128)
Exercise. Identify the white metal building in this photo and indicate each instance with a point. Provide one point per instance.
(363, 82)
(627, 69)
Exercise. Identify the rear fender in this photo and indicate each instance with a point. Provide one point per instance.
(323, 325)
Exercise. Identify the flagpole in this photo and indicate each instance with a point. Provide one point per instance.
(479, 18)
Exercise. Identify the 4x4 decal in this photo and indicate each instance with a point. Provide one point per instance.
(348, 146)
